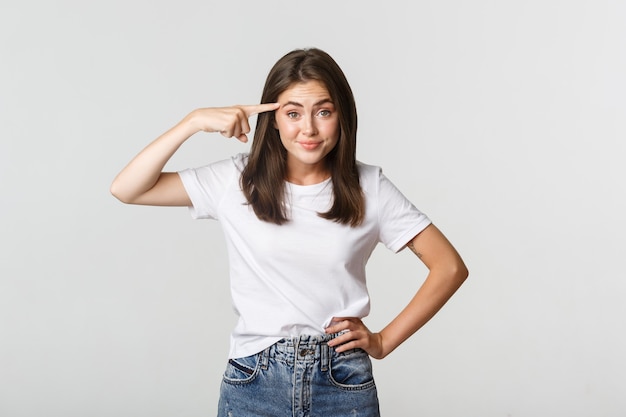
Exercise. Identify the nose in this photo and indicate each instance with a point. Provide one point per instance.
(309, 128)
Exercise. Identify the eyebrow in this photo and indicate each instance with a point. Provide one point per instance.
(319, 103)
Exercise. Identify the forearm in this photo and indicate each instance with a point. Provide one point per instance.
(447, 272)
(436, 290)
(142, 180)
(143, 171)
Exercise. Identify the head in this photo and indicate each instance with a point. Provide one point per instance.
(302, 65)
(263, 178)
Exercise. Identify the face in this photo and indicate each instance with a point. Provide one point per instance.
(308, 125)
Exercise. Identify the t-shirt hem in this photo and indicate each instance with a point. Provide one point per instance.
(253, 348)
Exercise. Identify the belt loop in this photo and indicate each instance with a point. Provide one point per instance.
(265, 358)
(324, 362)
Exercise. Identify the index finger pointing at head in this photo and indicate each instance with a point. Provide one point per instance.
(259, 108)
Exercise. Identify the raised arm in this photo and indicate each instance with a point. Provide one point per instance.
(447, 272)
(142, 180)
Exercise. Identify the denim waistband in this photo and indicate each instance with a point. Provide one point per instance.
(304, 348)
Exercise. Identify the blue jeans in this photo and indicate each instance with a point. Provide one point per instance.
(300, 377)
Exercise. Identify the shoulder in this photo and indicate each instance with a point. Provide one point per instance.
(235, 163)
(369, 175)
(367, 171)
(220, 171)
(375, 183)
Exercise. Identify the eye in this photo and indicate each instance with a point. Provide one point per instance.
(324, 113)
(292, 115)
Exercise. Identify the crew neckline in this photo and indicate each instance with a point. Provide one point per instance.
(313, 188)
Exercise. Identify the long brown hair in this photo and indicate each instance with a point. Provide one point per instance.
(263, 178)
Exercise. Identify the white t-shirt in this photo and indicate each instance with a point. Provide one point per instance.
(293, 279)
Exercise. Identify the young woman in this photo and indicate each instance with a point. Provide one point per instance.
(301, 217)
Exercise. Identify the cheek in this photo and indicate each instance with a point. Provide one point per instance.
(286, 129)
(332, 130)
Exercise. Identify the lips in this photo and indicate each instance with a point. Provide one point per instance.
(309, 146)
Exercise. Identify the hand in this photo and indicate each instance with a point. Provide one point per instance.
(229, 121)
(356, 335)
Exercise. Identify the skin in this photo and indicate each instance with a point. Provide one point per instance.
(309, 130)
(446, 274)
(142, 180)
(308, 126)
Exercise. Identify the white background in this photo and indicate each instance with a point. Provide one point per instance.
(503, 121)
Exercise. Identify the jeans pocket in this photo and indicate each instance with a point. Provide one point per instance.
(242, 370)
(351, 370)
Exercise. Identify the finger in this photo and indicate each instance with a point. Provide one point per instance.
(353, 344)
(253, 109)
(245, 127)
(341, 339)
(340, 323)
(242, 138)
(336, 327)
(350, 340)
(236, 128)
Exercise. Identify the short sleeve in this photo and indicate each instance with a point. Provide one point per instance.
(207, 185)
(399, 220)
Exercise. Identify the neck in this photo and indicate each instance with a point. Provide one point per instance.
(310, 176)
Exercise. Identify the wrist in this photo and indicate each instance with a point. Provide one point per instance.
(386, 342)
(191, 123)
(380, 351)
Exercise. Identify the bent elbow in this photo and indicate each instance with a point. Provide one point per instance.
(461, 272)
(465, 273)
(119, 194)
(456, 271)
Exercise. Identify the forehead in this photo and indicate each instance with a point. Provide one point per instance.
(304, 91)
